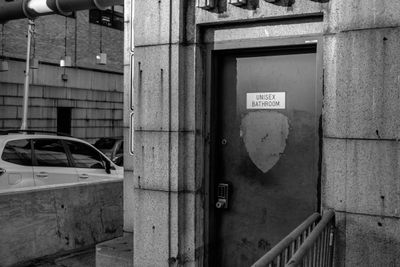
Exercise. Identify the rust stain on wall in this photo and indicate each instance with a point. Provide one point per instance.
(264, 134)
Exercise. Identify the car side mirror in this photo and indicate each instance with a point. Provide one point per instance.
(108, 167)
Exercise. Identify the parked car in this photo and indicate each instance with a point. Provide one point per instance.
(113, 148)
(33, 159)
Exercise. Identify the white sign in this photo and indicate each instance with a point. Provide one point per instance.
(267, 100)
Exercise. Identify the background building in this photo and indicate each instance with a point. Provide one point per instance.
(85, 99)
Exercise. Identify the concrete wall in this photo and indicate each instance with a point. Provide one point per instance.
(361, 160)
(362, 128)
(40, 222)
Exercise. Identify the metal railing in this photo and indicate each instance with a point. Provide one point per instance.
(310, 244)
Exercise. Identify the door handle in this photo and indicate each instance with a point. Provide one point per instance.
(83, 176)
(42, 175)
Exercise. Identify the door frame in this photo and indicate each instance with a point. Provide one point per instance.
(210, 65)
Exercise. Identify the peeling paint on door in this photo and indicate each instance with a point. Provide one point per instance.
(264, 134)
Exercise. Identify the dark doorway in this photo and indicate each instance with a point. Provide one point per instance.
(64, 120)
(265, 149)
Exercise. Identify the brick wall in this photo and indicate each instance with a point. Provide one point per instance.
(83, 41)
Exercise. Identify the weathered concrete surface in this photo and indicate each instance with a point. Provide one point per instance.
(362, 75)
(42, 222)
(153, 27)
(163, 159)
(163, 98)
(367, 240)
(361, 152)
(116, 252)
(167, 228)
(362, 176)
(362, 14)
(252, 32)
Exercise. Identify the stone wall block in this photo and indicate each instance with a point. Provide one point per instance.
(186, 237)
(152, 22)
(15, 73)
(362, 14)
(186, 108)
(160, 105)
(13, 123)
(128, 199)
(151, 227)
(9, 89)
(56, 92)
(158, 239)
(152, 92)
(164, 161)
(361, 176)
(367, 240)
(362, 75)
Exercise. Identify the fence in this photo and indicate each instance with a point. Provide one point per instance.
(309, 245)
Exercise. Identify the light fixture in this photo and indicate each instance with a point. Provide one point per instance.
(238, 2)
(34, 63)
(65, 61)
(101, 58)
(3, 62)
(3, 65)
(205, 4)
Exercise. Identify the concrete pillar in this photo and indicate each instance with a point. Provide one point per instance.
(160, 183)
(361, 151)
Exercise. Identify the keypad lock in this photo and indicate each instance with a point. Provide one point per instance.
(222, 196)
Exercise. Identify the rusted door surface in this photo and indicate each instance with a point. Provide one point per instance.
(266, 148)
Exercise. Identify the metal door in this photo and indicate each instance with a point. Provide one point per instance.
(265, 149)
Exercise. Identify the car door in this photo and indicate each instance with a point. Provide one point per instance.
(90, 163)
(51, 164)
(16, 165)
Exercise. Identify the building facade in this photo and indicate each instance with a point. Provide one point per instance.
(289, 106)
(84, 99)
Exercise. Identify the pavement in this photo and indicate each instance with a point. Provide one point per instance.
(85, 258)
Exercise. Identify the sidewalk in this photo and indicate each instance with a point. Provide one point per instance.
(85, 258)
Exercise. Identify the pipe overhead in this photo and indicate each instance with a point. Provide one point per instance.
(31, 9)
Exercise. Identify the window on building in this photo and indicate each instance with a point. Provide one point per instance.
(64, 120)
(112, 17)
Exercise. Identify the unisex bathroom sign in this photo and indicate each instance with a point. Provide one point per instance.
(267, 100)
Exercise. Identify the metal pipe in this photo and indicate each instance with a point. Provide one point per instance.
(19, 9)
(26, 84)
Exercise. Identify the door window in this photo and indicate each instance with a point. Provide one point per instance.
(50, 153)
(85, 156)
(18, 152)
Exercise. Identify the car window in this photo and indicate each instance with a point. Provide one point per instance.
(18, 152)
(49, 153)
(120, 149)
(85, 156)
(105, 143)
